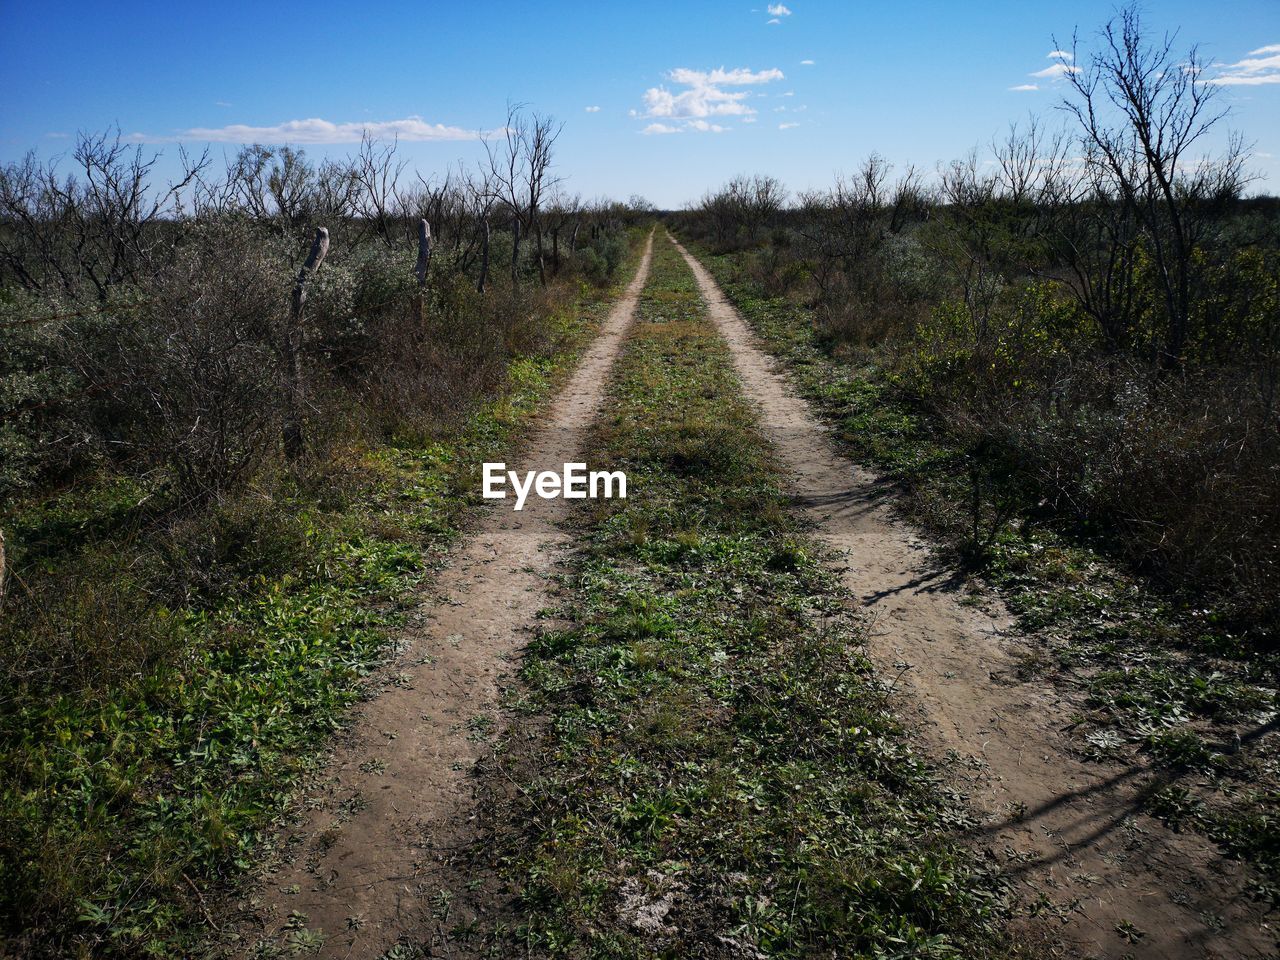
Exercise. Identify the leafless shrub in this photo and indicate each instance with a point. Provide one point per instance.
(852, 239)
(192, 380)
(91, 231)
(742, 209)
(278, 187)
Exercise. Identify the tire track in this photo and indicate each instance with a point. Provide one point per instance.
(1069, 830)
(396, 801)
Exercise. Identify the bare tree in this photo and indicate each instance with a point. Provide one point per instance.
(519, 167)
(1142, 110)
(843, 231)
(743, 206)
(973, 243)
(279, 187)
(1029, 159)
(96, 227)
(562, 212)
(375, 173)
(1092, 239)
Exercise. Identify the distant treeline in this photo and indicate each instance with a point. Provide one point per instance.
(151, 324)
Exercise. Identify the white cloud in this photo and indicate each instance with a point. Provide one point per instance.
(774, 20)
(744, 120)
(741, 77)
(778, 10)
(700, 126)
(706, 94)
(221, 103)
(694, 103)
(787, 126)
(315, 130)
(1055, 72)
(593, 109)
(806, 63)
(1261, 66)
(1061, 68)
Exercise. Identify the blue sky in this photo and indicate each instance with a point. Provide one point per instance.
(661, 99)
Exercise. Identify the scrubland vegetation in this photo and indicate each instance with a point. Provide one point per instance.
(213, 489)
(1068, 356)
(242, 414)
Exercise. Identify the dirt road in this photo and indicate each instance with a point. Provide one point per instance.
(1126, 884)
(373, 849)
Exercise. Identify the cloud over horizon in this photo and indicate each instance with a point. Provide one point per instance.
(316, 130)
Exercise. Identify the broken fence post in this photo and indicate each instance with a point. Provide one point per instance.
(424, 252)
(515, 252)
(291, 348)
(484, 259)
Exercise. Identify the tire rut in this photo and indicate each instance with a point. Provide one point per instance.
(1070, 830)
(377, 840)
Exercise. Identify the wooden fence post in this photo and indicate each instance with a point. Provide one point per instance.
(291, 348)
(424, 252)
(515, 253)
(484, 259)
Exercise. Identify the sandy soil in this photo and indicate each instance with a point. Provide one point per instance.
(374, 848)
(1059, 826)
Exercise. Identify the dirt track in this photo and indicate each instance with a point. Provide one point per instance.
(1059, 826)
(396, 801)
(375, 845)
